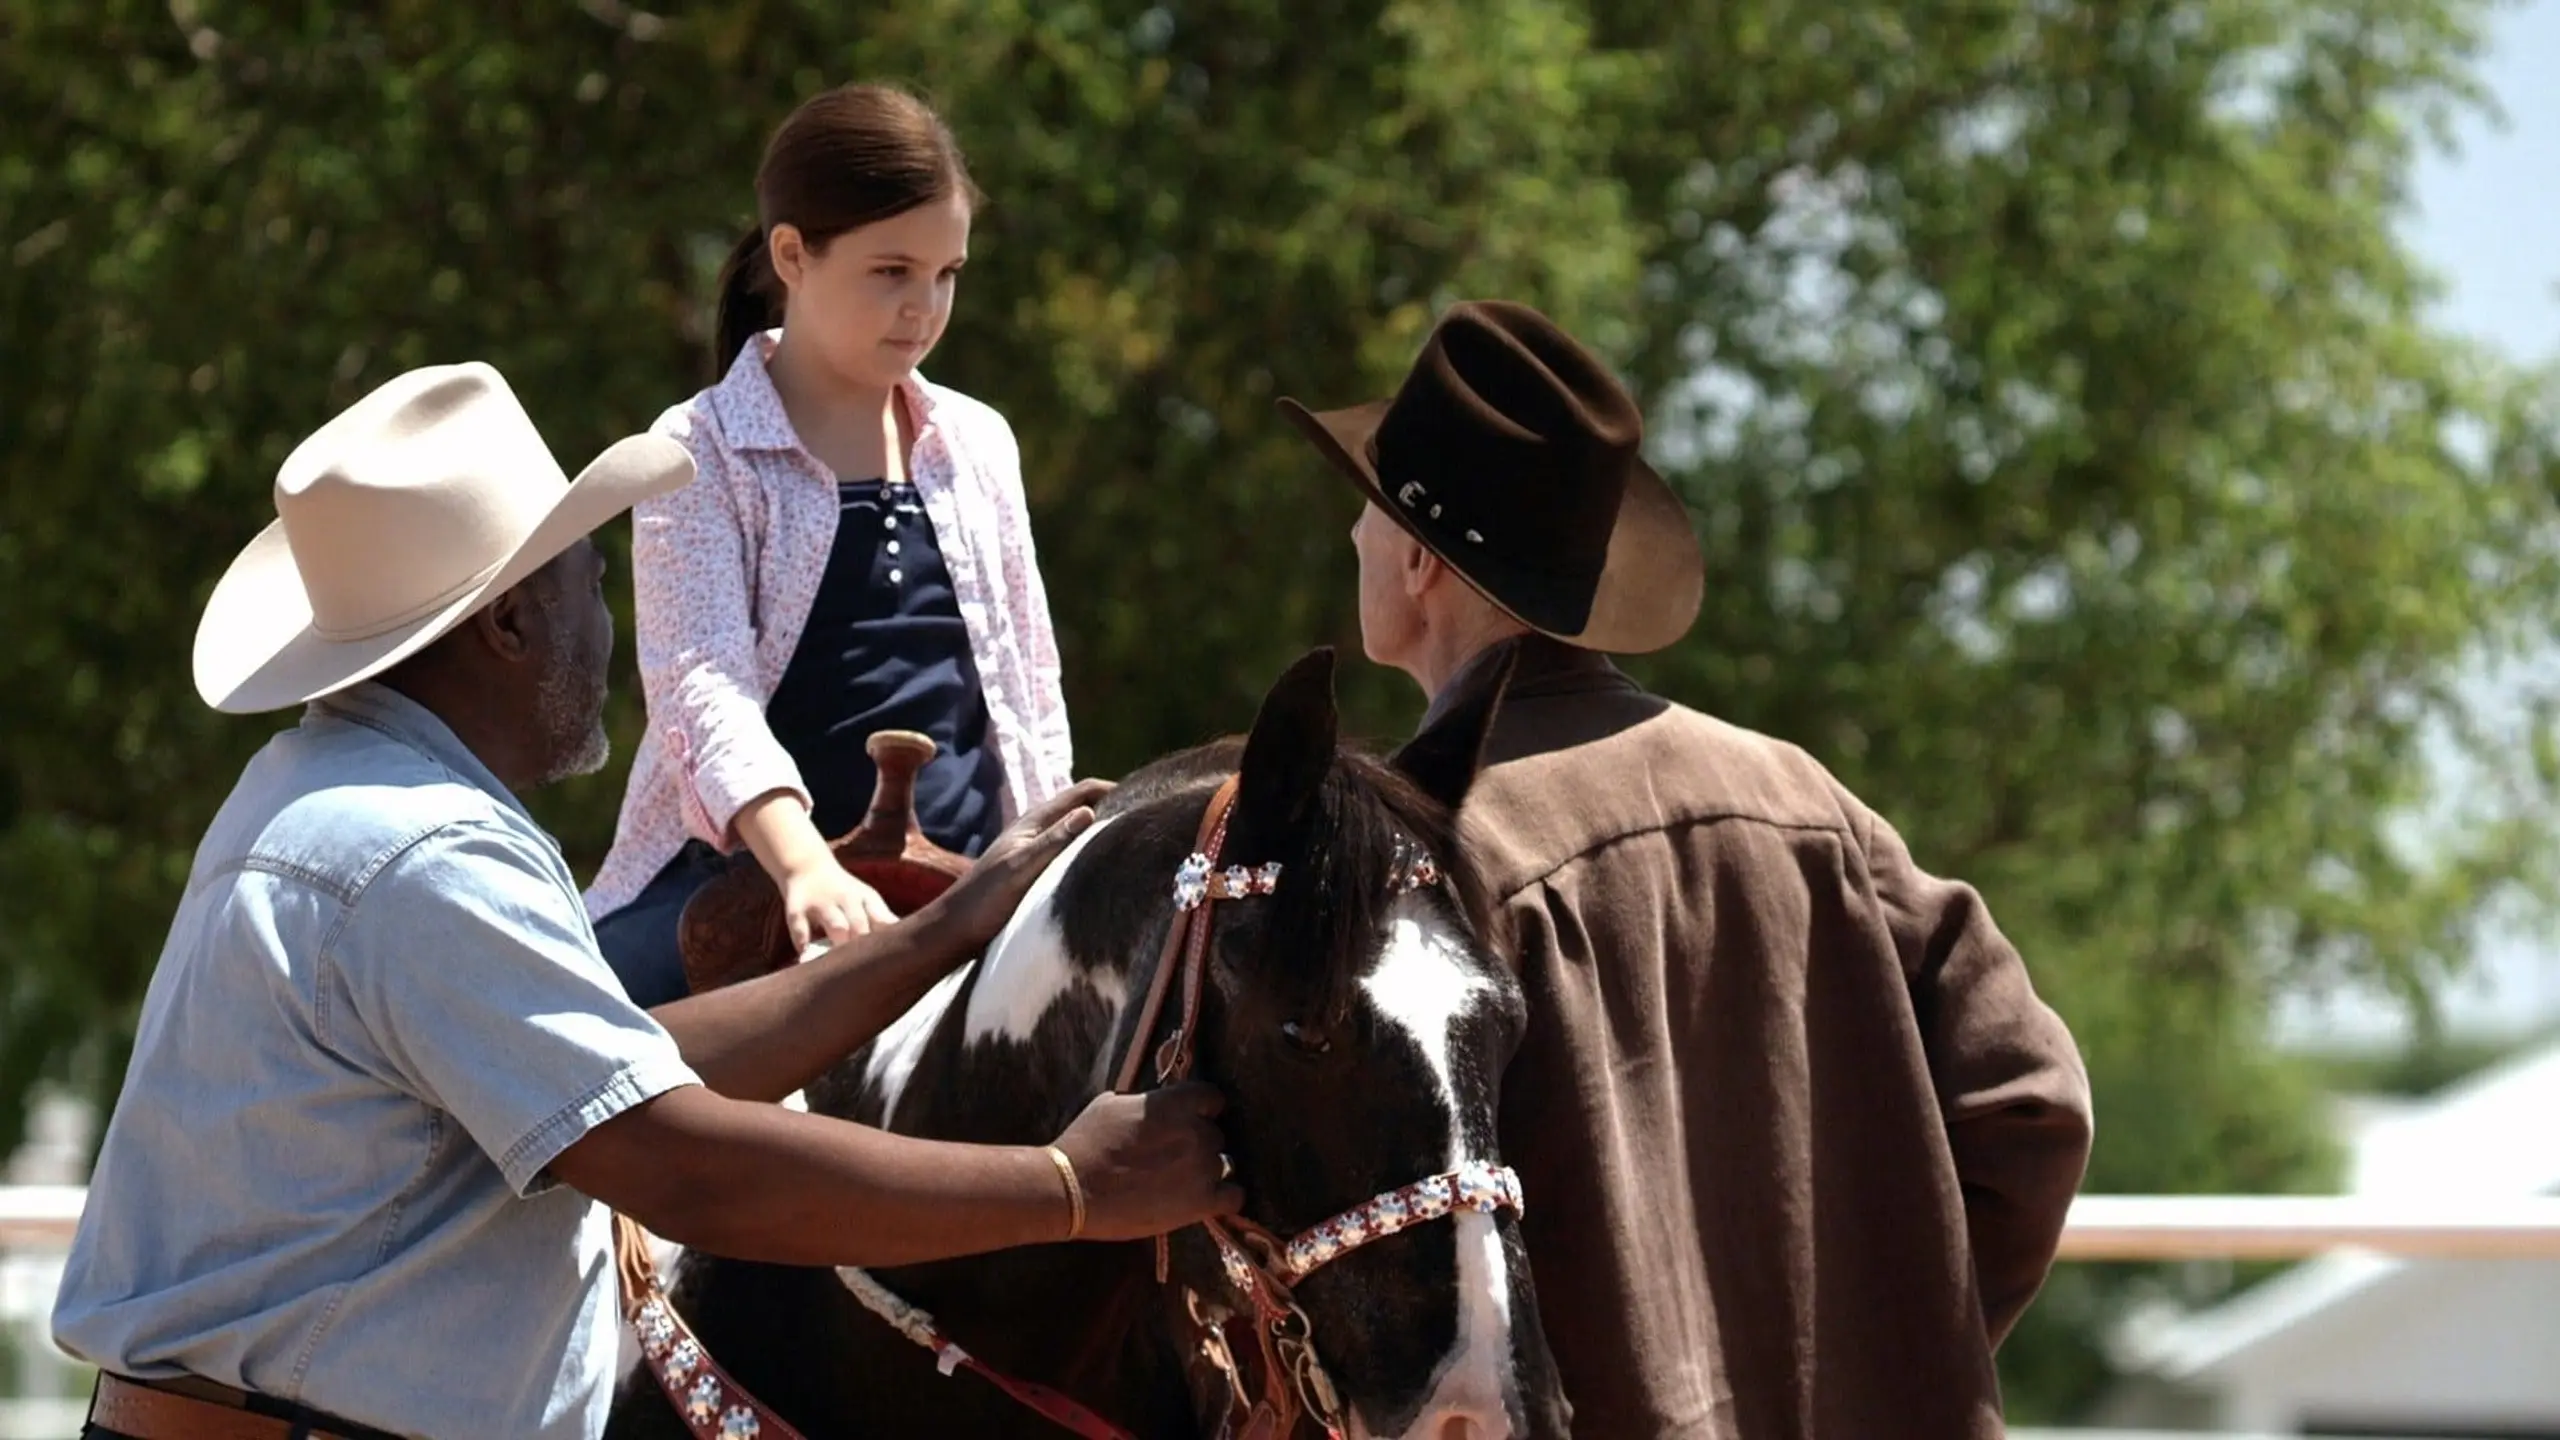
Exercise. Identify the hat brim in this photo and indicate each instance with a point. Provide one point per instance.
(1650, 586)
(255, 646)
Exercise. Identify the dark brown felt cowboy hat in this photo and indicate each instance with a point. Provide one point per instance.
(1511, 452)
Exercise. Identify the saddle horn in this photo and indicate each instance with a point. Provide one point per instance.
(732, 928)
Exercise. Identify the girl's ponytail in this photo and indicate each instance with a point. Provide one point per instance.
(748, 306)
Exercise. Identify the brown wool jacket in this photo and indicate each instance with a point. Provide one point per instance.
(1796, 1133)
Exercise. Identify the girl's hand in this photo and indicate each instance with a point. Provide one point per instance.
(820, 901)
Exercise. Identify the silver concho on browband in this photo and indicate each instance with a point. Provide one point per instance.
(1196, 880)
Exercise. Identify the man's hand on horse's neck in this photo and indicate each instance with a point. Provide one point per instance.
(761, 1039)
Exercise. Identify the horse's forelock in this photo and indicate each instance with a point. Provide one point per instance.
(1338, 879)
(1338, 886)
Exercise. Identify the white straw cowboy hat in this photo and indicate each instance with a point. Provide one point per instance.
(395, 521)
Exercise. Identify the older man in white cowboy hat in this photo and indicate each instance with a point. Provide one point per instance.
(1796, 1132)
(383, 1077)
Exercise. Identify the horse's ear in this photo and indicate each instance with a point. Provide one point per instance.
(1286, 756)
(1443, 759)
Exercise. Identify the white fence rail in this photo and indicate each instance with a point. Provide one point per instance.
(2101, 1227)
(2285, 1227)
(38, 1216)
(36, 1222)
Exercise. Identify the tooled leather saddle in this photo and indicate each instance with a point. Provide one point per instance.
(732, 929)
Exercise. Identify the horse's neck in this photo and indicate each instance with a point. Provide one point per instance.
(1008, 1051)
(965, 1064)
(873, 1082)
(945, 1071)
(1018, 1035)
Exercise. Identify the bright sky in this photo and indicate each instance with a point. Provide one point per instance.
(2488, 222)
(2489, 217)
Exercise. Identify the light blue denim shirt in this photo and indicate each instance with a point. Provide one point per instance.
(380, 1014)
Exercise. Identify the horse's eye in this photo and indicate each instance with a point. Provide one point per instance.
(1306, 1037)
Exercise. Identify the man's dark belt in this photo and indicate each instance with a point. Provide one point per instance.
(191, 1409)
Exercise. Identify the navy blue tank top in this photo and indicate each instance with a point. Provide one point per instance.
(885, 649)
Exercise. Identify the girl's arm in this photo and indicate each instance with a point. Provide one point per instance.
(1020, 563)
(694, 628)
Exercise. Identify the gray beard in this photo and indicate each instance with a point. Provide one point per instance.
(590, 756)
(569, 711)
(570, 703)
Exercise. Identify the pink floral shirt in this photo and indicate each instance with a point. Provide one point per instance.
(723, 573)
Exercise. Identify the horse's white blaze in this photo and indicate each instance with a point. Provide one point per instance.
(895, 1053)
(1422, 984)
(1027, 969)
(1475, 1380)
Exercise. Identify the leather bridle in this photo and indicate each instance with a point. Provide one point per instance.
(1261, 1267)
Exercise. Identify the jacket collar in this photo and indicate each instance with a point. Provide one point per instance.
(1547, 667)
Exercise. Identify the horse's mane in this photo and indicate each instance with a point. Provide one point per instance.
(1337, 890)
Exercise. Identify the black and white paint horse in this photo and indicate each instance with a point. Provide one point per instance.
(1357, 1027)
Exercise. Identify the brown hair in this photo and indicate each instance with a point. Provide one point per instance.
(849, 157)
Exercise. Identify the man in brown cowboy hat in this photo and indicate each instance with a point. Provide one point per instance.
(1796, 1133)
(383, 1076)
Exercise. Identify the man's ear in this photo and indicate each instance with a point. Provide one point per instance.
(506, 624)
(1421, 568)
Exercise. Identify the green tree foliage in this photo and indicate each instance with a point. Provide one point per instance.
(2078, 473)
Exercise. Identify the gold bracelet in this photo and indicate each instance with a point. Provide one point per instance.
(1075, 1191)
